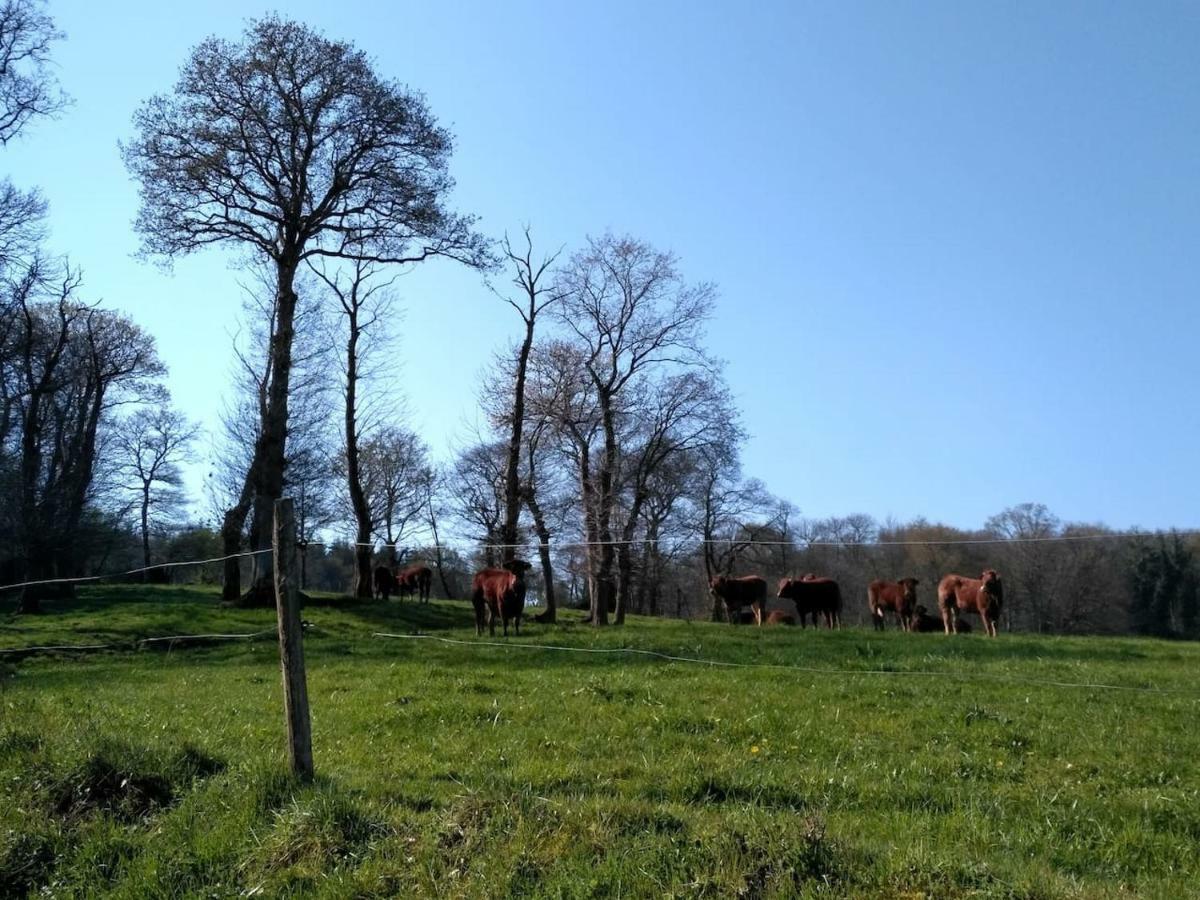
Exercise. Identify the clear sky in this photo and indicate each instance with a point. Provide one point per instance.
(956, 243)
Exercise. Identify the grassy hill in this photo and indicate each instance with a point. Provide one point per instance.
(822, 764)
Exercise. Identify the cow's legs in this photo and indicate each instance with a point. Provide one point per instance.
(950, 619)
(877, 619)
(757, 607)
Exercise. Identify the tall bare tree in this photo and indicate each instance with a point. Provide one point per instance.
(233, 483)
(629, 311)
(290, 146)
(365, 305)
(537, 292)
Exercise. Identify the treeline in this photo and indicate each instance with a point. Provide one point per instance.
(609, 449)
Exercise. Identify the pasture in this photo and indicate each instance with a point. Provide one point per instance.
(454, 770)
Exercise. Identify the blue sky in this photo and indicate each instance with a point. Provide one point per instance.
(956, 244)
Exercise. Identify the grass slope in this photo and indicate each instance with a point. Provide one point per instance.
(450, 770)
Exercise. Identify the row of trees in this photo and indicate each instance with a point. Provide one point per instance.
(611, 443)
(87, 434)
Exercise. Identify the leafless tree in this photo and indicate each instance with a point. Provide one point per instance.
(537, 292)
(477, 494)
(232, 482)
(68, 366)
(673, 415)
(289, 145)
(399, 481)
(1030, 564)
(365, 306)
(28, 87)
(629, 311)
(150, 445)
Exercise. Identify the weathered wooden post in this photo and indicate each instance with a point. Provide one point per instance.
(291, 642)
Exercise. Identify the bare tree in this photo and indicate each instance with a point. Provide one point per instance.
(399, 481)
(673, 415)
(151, 443)
(1031, 563)
(365, 306)
(28, 88)
(538, 293)
(291, 147)
(68, 366)
(629, 310)
(233, 483)
(477, 494)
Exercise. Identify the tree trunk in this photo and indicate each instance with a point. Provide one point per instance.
(605, 596)
(363, 586)
(232, 524)
(271, 448)
(512, 485)
(624, 581)
(543, 533)
(146, 530)
(437, 551)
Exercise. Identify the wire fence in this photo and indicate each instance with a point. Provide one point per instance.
(797, 544)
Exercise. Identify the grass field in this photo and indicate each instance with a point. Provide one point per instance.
(451, 770)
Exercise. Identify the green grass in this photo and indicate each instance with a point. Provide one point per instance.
(449, 770)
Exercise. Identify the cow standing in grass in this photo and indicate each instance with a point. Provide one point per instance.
(749, 590)
(384, 582)
(415, 580)
(814, 596)
(500, 593)
(983, 595)
(898, 596)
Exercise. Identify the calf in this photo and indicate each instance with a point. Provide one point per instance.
(814, 596)
(500, 593)
(749, 590)
(925, 623)
(779, 617)
(898, 596)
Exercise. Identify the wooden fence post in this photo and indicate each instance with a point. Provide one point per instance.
(291, 642)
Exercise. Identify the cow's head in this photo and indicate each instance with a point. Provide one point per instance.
(991, 583)
(908, 589)
(518, 567)
(785, 585)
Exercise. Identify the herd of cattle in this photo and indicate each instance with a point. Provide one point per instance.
(821, 597)
(500, 594)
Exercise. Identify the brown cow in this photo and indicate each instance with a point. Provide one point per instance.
(983, 595)
(501, 593)
(813, 596)
(779, 617)
(415, 579)
(749, 590)
(384, 583)
(898, 596)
